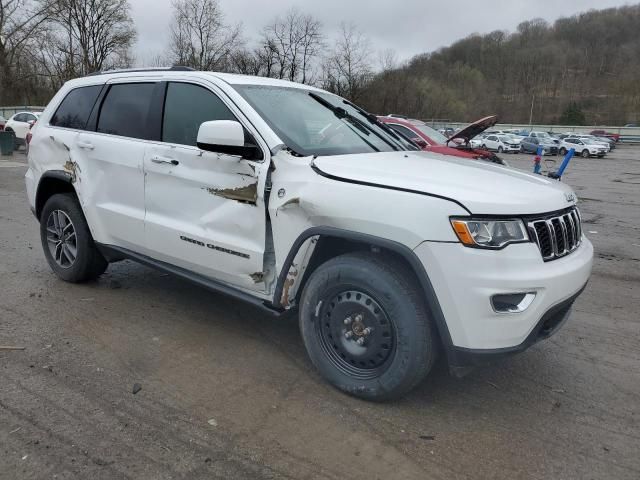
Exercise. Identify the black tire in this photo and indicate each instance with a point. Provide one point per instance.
(585, 153)
(484, 147)
(563, 151)
(396, 356)
(88, 262)
(500, 150)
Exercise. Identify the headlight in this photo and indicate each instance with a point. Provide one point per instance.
(489, 233)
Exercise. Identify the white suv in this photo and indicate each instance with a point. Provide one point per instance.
(20, 124)
(583, 146)
(284, 195)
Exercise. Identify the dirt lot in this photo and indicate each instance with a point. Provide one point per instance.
(229, 393)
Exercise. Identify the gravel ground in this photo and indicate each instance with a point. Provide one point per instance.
(227, 392)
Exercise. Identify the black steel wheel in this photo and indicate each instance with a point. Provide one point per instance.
(356, 334)
(364, 322)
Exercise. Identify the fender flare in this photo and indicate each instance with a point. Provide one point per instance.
(60, 175)
(403, 251)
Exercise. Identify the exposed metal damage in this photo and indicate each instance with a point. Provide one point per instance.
(73, 168)
(246, 194)
(257, 277)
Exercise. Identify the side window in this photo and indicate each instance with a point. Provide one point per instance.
(19, 118)
(407, 132)
(125, 109)
(76, 107)
(186, 107)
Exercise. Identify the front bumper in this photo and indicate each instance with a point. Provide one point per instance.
(464, 280)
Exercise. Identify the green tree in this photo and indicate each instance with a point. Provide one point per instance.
(572, 115)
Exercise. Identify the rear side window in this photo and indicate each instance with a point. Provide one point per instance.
(125, 109)
(186, 108)
(76, 107)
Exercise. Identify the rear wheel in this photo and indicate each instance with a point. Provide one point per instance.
(67, 242)
(365, 326)
(585, 153)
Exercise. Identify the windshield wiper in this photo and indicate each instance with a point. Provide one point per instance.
(342, 113)
(374, 119)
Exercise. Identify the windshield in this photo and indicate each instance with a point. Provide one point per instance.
(432, 133)
(312, 122)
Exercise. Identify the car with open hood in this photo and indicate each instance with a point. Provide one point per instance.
(431, 140)
(296, 200)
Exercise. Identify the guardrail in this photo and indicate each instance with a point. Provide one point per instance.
(7, 112)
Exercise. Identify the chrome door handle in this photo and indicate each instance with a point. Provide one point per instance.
(160, 159)
(86, 145)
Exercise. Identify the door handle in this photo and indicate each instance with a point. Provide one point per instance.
(86, 145)
(161, 159)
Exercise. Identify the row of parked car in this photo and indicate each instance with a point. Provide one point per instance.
(20, 124)
(595, 144)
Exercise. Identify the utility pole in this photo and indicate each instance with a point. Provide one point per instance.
(533, 99)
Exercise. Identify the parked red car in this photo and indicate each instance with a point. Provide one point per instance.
(2, 122)
(603, 133)
(430, 140)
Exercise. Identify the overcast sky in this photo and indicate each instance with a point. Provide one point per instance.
(407, 26)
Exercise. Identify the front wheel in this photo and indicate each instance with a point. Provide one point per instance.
(585, 153)
(500, 150)
(67, 242)
(365, 326)
(563, 151)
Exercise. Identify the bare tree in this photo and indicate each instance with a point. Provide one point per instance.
(387, 59)
(19, 19)
(91, 35)
(348, 69)
(292, 44)
(200, 38)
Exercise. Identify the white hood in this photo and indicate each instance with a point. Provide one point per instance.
(482, 187)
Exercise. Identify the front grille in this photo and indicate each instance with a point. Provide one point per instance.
(556, 235)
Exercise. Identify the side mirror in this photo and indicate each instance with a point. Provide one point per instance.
(228, 137)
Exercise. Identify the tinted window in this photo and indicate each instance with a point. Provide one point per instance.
(125, 109)
(186, 108)
(76, 107)
(404, 131)
(19, 117)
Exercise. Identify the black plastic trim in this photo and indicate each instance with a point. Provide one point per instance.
(468, 357)
(61, 175)
(114, 252)
(317, 169)
(405, 252)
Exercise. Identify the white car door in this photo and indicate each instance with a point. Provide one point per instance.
(491, 142)
(205, 211)
(111, 163)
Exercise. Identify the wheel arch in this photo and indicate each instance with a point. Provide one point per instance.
(52, 182)
(333, 241)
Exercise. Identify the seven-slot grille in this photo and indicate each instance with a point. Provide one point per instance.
(557, 235)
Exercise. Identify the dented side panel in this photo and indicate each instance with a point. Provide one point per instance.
(206, 213)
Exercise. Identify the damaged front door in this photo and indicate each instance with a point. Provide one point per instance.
(204, 210)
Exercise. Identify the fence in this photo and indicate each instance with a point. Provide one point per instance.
(7, 112)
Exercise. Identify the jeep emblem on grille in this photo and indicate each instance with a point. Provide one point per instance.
(571, 198)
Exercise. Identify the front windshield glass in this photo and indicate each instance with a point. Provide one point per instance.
(325, 125)
(432, 133)
(505, 138)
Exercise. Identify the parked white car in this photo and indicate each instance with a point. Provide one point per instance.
(501, 143)
(583, 146)
(287, 196)
(476, 141)
(20, 124)
(593, 140)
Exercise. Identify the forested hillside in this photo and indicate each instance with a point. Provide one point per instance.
(586, 64)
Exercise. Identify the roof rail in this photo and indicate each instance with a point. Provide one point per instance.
(175, 68)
